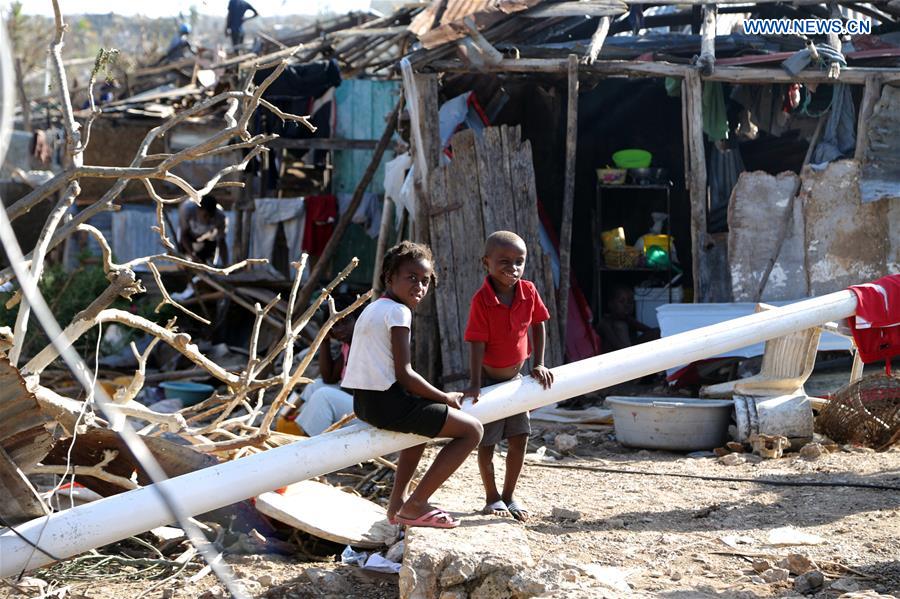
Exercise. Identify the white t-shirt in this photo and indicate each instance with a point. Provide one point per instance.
(370, 364)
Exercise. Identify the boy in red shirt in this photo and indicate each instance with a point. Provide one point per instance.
(502, 312)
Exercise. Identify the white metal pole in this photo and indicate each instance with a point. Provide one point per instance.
(73, 531)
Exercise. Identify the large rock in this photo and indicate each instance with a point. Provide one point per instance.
(480, 558)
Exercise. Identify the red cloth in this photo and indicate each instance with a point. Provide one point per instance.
(504, 329)
(876, 327)
(321, 214)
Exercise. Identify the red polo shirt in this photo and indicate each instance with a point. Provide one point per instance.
(504, 329)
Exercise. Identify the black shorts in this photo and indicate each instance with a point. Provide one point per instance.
(396, 410)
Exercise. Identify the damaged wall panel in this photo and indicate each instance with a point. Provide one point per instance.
(847, 241)
(881, 165)
(756, 213)
(24, 440)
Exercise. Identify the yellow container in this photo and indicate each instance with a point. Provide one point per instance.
(663, 241)
(614, 239)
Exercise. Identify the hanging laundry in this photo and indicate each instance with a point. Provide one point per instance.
(321, 215)
(268, 215)
(368, 214)
(876, 326)
(725, 166)
(715, 119)
(839, 137)
(764, 102)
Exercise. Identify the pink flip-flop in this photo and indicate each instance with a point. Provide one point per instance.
(436, 518)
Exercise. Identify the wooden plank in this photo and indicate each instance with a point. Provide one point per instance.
(852, 75)
(871, 94)
(692, 94)
(490, 148)
(446, 261)
(21, 502)
(23, 425)
(324, 144)
(610, 8)
(597, 40)
(468, 229)
(539, 269)
(707, 60)
(329, 513)
(565, 231)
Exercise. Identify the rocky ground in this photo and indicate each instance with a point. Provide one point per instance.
(593, 531)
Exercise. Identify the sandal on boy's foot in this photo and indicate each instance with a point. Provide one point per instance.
(436, 518)
(517, 511)
(498, 508)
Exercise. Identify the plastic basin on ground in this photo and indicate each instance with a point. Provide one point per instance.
(672, 423)
(189, 393)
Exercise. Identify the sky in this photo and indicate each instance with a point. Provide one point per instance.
(167, 8)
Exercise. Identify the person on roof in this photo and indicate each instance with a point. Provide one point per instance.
(234, 22)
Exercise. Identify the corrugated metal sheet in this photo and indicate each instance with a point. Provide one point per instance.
(442, 22)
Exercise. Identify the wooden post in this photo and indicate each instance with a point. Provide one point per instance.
(707, 59)
(344, 222)
(565, 230)
(871, 94)
(597, 40)
(387, 217)
(422, 104)
(692, 94)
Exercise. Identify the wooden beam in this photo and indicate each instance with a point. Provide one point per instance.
(578, 9)
(628, 68)
(871, 94)
(565, 230)
(421, 93)
(692, 94)
(314, 143)
(597, 39)
(331, 247)
(372, 32)
(707, 59)
(488, 53)
(387, 220)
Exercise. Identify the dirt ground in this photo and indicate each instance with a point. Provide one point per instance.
(678, 538)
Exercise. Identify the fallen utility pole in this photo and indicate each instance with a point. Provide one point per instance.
(79, 529)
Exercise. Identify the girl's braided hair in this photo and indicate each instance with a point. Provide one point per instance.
(400, 253)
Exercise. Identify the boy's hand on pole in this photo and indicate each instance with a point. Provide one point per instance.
(543, 375)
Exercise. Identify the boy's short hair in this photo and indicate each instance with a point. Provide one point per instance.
(499, 238)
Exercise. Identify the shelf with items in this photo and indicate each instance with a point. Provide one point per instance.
(645, 199)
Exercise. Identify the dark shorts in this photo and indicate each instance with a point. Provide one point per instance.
(396, 410)
(511, 426)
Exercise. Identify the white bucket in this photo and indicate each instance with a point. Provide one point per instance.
(648, 299)
(671, 422)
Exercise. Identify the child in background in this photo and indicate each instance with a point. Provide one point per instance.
(389, 394)
(502, 312)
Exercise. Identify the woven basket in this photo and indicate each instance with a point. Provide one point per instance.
(866, 413)
(628, 257)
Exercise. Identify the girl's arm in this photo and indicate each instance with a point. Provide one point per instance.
(411, 380)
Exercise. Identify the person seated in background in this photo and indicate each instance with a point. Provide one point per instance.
(323, 400)
(202, 231)
(619, 328)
